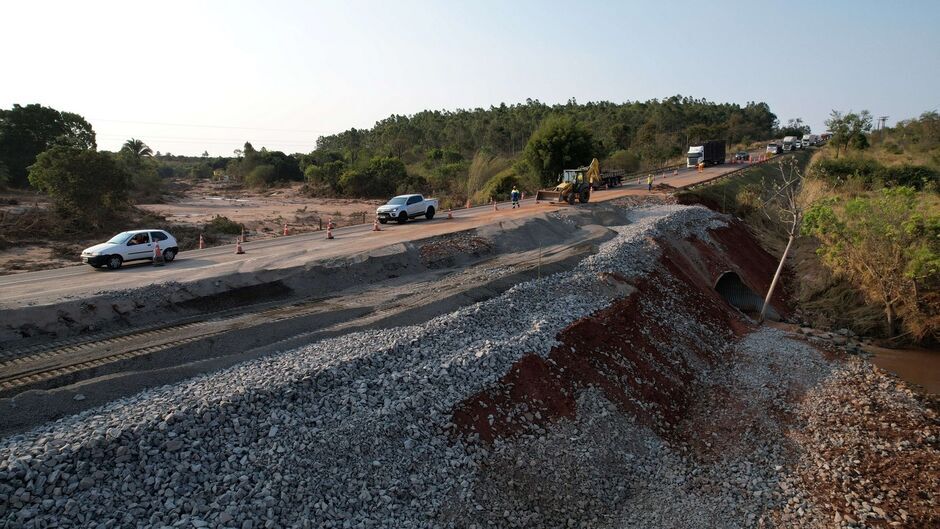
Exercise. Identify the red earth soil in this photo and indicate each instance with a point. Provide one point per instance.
(632, 350)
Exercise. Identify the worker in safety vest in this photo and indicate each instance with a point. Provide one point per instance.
(514, 195)
(649, 183)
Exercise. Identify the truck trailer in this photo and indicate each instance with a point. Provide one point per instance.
(709, 153)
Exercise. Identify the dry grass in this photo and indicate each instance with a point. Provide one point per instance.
(483, 167)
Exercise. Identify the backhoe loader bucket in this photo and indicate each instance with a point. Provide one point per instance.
(548, 195)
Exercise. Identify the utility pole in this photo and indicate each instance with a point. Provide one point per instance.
(881, 122)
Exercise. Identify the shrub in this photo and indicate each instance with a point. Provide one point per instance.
(500, 185)
(892, 148)
(220, 224)
(325, 175)
(625, 160)
(380, 178)
(871, 174)
(916, 176)
(146, 186)
(838, 171)
(260, 176)
(85, 185)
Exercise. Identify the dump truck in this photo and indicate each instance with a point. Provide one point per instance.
(610, 178)
(574, 184)
(709, 153)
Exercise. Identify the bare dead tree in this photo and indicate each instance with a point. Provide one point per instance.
(782, 204)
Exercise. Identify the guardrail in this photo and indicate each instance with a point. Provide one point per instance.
(736, 171)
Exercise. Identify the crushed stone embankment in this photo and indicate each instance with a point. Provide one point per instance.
(371, 429)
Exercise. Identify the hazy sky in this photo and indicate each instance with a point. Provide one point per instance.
(192, 76)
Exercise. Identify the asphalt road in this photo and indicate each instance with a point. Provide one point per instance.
(49, 286)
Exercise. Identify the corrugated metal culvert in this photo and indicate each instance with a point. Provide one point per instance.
(739, 295)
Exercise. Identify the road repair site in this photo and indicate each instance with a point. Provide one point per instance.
(554, 365)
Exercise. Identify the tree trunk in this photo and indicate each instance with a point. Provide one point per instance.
(889, 315)
(773, 284)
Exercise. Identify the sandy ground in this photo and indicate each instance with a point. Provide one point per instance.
(261, 211)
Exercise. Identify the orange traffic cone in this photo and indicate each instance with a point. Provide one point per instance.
(202, 242)
(238, 247)
(157, 255)
(329, 230)
(375, 225)
(330, 224)
(495, 206)
(468, 204)
(450, 214)
(285, 229)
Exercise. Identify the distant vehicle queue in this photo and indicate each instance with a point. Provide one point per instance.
(793, 143)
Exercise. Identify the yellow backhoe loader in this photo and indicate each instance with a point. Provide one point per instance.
(574, 184)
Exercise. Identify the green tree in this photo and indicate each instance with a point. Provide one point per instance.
(794, 127)
(326, 175)
(27, 131)
(84, 184)
(887, 244)
(261, 176)
(624, 160)
(379, 179)
(557, 144)
(848, 128)
(137, 148)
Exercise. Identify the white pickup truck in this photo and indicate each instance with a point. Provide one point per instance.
(404, 207)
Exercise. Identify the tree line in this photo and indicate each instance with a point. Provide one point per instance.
(459, 153)
(456, 154)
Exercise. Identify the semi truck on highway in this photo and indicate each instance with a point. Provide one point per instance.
(810, 140)
(789, 143)
(709, 153)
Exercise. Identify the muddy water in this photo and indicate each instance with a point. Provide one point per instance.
(917, 366)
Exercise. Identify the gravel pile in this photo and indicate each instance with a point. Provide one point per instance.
(870, 452)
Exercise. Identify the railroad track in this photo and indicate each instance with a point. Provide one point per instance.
(37, 367)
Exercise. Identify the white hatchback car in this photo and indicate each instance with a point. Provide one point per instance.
(135, 245)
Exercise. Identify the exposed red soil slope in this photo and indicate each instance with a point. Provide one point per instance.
(642, 351)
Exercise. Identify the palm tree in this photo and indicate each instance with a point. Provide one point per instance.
(137, 147)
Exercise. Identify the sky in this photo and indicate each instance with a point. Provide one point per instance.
(194, 76)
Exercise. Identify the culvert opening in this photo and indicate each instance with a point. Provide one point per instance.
(739, 295)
